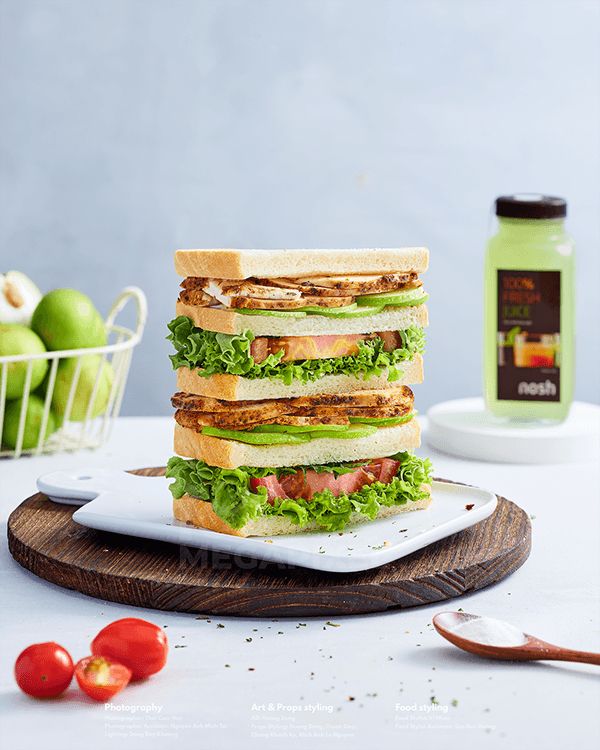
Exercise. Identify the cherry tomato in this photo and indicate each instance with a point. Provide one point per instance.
(138, 644)
(44, 670)
(100, 678)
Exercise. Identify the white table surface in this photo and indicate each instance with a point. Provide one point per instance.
(290, 686)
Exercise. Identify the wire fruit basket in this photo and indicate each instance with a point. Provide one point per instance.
(91, 407)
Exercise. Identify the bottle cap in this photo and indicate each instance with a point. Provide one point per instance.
(531, 206)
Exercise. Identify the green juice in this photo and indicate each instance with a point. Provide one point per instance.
(529, 315)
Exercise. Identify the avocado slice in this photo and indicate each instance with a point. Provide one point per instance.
(397, 299)
(254, 438)
(273, 438)
(382, 421)
(348, 311)
(352, 433)
(277, 313)
(293, 429)
(321, 309)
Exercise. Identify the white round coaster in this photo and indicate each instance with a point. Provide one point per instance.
(463, 428)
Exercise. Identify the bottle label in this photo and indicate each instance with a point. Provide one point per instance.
(528, 338)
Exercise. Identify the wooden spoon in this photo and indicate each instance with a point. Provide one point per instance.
(494, 639)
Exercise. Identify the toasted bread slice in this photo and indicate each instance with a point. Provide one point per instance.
(237, 388)
(222, 320)
(229, 454)
(199, 513)
(229, 263)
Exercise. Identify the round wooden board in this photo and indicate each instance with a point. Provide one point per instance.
(145, 573)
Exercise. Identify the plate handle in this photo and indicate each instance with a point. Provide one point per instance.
(76, 487)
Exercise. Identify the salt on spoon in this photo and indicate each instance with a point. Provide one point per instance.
(490, 632)
(495, 639)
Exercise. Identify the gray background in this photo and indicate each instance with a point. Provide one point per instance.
(130, 128)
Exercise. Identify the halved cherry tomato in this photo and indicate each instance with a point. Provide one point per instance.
(101, 679)
(138, 644)
(44, 670)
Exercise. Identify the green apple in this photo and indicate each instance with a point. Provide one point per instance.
(33, 422)
(17, 339)
(67, 319)
(90, 365)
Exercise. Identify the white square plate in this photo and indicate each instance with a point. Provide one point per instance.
(124, 503)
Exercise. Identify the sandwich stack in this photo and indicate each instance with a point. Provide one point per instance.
(293, 406)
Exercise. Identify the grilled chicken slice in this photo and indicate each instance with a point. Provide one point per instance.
(187, 419)
(236, 420)
(196, 411)
(245, 420)
(196, 297)
(263, 412)
(368, 398)
(253, 303)
(396, 410)
(194, 282)
(288, 294)
(244, 411)
(305, 287)
(233, 420)
(257, 291)
(301, 421)
(189, 401)
(244, 288)
(353, 285)
(194, 420)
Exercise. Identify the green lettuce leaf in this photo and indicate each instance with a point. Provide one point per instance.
(234, 501)
(220, 353)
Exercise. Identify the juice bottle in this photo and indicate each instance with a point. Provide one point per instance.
(529, 315)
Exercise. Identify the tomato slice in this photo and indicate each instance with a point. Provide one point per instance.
(138, 644)
(44, 670)
(101, 679)
(272, 485)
